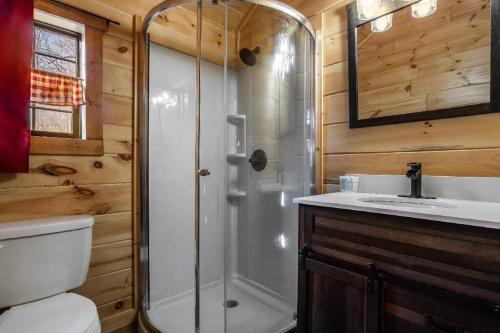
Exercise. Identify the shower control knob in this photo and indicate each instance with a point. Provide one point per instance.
(204, 172)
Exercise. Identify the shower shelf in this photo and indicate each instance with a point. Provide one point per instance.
(239, 152)
(236, 194)
(236, 118)
(235, 157)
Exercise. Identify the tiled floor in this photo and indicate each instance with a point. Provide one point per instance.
(258, 311)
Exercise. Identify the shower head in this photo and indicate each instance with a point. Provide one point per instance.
(249, 57)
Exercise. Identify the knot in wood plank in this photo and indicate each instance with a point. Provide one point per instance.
(57, 170)
(125, 157)
(85, 191)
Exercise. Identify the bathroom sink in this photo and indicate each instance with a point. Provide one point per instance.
(407, 202)
(466, 212)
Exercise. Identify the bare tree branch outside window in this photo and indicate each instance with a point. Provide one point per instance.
(55, 50)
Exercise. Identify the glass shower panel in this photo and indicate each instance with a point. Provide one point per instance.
(272, 119)
(212, 160)
(234, 268)
(172, 98)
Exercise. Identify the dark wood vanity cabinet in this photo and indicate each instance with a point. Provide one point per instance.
(337, 300)
(365, 272)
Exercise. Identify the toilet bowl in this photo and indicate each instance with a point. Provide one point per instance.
(63, 313)
(40, 260)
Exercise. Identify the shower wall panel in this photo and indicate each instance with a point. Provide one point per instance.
(172, 198)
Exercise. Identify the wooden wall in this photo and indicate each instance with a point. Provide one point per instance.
(102, 186)
(468, 146)
(425, 64)
(95, 185)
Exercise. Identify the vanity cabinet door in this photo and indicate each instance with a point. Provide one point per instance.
(411, 311)
(335, 300)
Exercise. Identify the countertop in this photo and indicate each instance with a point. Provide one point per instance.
(474, 213)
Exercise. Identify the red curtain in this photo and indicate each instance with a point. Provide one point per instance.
(16, 39)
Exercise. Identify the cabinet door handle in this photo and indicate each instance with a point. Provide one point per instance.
(441, 325)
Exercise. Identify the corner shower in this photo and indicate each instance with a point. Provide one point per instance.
(227, 141)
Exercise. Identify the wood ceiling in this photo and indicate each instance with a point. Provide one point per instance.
(123, 10)
(176, 28)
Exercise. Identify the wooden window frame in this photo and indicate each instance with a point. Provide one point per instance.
(93, 145)
(76, 112)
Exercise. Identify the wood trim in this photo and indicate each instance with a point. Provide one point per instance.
(136, 170)
(41, 145)
(58, 9)
(318, 72)
(495, 55)
(94, 83)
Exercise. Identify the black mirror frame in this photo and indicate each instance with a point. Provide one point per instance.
(462, 111)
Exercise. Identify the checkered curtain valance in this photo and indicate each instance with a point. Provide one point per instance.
(55, 89)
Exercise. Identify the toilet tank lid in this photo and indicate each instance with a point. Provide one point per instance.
(29, 228)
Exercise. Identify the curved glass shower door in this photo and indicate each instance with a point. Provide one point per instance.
(212, 165)
(269, 128)
(229, 145)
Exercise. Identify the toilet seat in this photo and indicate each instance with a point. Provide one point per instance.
(62, 313)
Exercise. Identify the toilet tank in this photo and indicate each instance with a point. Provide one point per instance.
(43, 257)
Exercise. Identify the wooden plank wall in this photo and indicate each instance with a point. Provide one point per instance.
(102, 186)
(468, 146)
(425, 64)
(96, 185)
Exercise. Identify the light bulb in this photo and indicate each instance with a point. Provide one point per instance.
(368, 9)
(424, 8)
(382, 24)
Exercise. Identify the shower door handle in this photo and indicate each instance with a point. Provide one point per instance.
(204, 172)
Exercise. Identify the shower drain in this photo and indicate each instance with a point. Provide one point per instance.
(232, 303)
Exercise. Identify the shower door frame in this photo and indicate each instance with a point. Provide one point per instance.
(143, 85)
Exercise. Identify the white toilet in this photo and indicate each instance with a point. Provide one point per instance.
(40, 260)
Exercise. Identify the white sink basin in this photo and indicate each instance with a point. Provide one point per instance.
(408, 202)
(475, 213)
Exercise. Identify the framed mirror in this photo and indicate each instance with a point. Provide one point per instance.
(406, 66)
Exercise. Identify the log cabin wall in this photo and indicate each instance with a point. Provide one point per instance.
(467, 146)
(102, 186)
(95, 185)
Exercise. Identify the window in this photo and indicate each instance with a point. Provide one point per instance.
(67, 48)
(56, 50)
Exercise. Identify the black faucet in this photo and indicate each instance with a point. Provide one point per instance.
(415, 175)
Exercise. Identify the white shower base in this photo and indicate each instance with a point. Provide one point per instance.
(259, 310)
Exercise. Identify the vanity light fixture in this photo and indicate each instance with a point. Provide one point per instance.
(424, 8)
(382, 24)
(375, 9)
(368, 9)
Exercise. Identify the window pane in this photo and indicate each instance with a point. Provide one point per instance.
(53, 121)
(56, 44)
(55, 51)
(54, 65)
